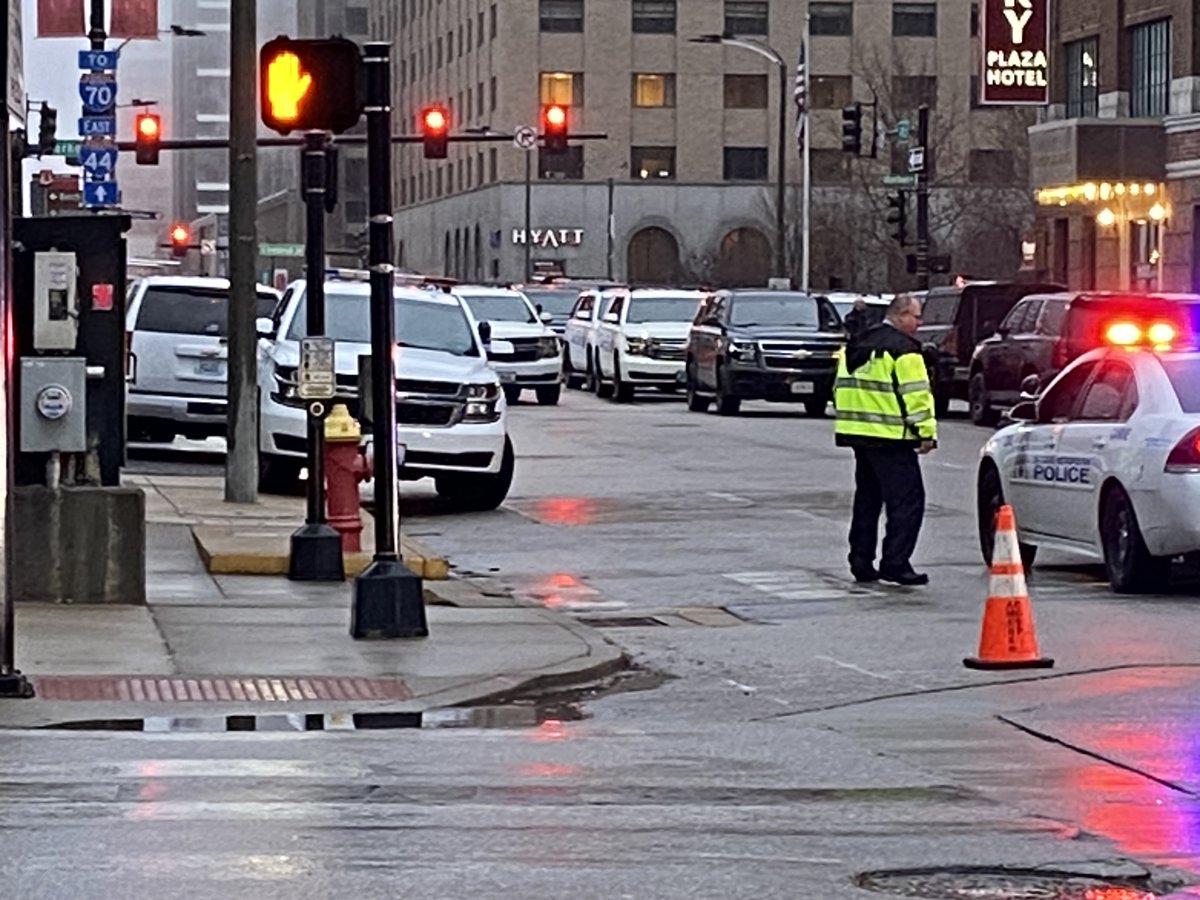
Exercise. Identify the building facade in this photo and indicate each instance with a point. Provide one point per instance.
(682, 189)
(1116, 157)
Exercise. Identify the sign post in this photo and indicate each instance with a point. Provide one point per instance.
(98, 126)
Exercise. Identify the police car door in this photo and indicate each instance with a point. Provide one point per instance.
(1031, 466)
(1090, 447)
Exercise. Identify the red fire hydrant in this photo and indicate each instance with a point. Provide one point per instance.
(345, 467)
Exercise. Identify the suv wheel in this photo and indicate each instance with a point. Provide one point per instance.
(549, 394)
(149, 431)
(512, 393)
(816, 408)
(980, 401)
(1131, 568)
(603, 390)
(696, 401)
(571, 378)
(479, 493)
(622, 390)
(726, 405)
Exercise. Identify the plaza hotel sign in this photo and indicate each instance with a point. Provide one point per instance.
(1016, 50)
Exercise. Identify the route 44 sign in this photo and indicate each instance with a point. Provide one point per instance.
(98, 91)
(98, 162)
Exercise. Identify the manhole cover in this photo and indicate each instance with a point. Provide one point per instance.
(999, 884)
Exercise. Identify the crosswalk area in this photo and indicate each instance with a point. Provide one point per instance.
(801, 584)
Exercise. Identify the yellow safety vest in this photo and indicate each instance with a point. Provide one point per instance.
(887, 398)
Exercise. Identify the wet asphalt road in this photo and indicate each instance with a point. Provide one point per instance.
(816, 731)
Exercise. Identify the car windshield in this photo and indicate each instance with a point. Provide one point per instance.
(424, 324)
(939, 309)
(788, 310)
(681, 308)
(191, 310)
(557, 303)
(1185, 378)
(499, 307)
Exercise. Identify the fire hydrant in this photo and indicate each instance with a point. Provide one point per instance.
(345, 467)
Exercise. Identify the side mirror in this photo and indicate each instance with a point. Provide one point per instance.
(265, 327)
(485, 332)
(611, 318)
(545, 317)
(1003, 331)
(538, 307)
(1024, 412)
(1031, 387)
(989, 327)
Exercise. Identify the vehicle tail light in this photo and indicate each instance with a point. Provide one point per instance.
(950, 347)
(1185, 457)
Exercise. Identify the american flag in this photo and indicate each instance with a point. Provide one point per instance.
(800, 95)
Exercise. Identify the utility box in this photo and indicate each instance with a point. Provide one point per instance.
(54, 404)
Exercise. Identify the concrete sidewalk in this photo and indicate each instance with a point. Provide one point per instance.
(225, 645)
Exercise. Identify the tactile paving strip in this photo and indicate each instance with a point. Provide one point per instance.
(153, 689)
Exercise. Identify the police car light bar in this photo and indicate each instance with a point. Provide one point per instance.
(1159, 335)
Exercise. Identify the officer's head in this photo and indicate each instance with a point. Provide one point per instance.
(905, 313)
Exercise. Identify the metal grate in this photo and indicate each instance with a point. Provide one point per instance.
(151, 689)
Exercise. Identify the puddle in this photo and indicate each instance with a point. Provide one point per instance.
(1009, 884)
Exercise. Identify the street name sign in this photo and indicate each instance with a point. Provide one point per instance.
(281, 250)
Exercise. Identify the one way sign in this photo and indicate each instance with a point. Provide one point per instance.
(101, 193)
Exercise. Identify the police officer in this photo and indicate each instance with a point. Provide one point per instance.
(885, 413)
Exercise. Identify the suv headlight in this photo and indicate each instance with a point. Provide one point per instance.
(637, 345)
(482, 400)
(548, 347)
(743, 349)
(286, 386)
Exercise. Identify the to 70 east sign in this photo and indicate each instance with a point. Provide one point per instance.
(1016, 50)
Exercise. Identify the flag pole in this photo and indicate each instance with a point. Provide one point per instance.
(806, 221)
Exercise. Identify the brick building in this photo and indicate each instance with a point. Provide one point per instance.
(1116, 157)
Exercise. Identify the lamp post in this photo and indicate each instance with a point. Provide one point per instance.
(773, 56)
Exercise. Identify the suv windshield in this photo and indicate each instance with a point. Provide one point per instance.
(557, 303)
(1185, 378)
(662, 309)
(789, 310)
(425, 324)
(939, 309)
(191, 310)
(499, 307)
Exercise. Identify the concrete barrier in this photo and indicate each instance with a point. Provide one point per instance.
(79, 545)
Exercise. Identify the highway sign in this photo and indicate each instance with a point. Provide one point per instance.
(101, 193)
(525, 138)
(280, 250)
(98, 91)
(900, 181)
(916, 159)
(98, 126)
(98, 59)
(98, 162)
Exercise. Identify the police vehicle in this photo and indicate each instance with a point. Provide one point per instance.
(1106, 461)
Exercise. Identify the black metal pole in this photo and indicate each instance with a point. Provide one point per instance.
(781, 178)
(316, 547)
(610, 228)
(97, 34)
(12, 682)
(528, 213)
(389, 599)
(923, 199)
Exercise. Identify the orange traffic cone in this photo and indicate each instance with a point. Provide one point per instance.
(1007, 640)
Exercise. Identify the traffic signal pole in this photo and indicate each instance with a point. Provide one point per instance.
(316, 548)
(923, 199)
(388, 598)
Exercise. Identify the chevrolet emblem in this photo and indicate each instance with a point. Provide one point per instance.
(801, 354)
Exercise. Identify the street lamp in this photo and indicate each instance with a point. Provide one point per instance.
(772, 55)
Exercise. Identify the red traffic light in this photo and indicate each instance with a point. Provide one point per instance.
(556, 116)
(181, 238)
(435, 127)
(554, 128)
(148, 133)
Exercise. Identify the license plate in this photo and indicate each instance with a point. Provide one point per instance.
(507, 377)
(802, 387)
(210, 367)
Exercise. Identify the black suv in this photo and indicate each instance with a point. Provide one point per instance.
(1044, 332)
(763, 345)
(954, 320)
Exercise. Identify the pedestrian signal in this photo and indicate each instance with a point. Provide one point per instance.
(310, 85)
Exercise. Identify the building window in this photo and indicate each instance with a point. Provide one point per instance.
(560, 16)
(493, 165)
(914, 19)
(746, 17)
(653, 90)
(832, 19)
(830, 166)
(356, 20)
(745, 163)
(479, 22)
(652, 163)
(561, 88)
(1082, 93)
(356, 211)
(470, 37)
(561, 166)
(653, 16)
(745, 91)
(492, 20)
(492, 93)
(910, 91)
(991, 167)
(1150, 69)
(831, 91)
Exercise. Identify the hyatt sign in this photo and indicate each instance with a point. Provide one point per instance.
(1016, 48)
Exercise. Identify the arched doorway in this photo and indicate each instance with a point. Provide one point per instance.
(653, 257)
(745, 259)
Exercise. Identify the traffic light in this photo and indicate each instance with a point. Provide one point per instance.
(435, 128)
(852, 128)
(148, 130)
(554, 129)
(181, 238)
(307, 85)
(898, 216)
(47, 129)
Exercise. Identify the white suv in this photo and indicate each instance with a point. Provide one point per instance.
(176, 333)
(450, 412)
(581, 333)
(536, 357)
(642, 341)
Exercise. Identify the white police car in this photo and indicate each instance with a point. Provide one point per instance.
(1106, 462)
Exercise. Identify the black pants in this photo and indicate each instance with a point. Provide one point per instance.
(886, 477)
